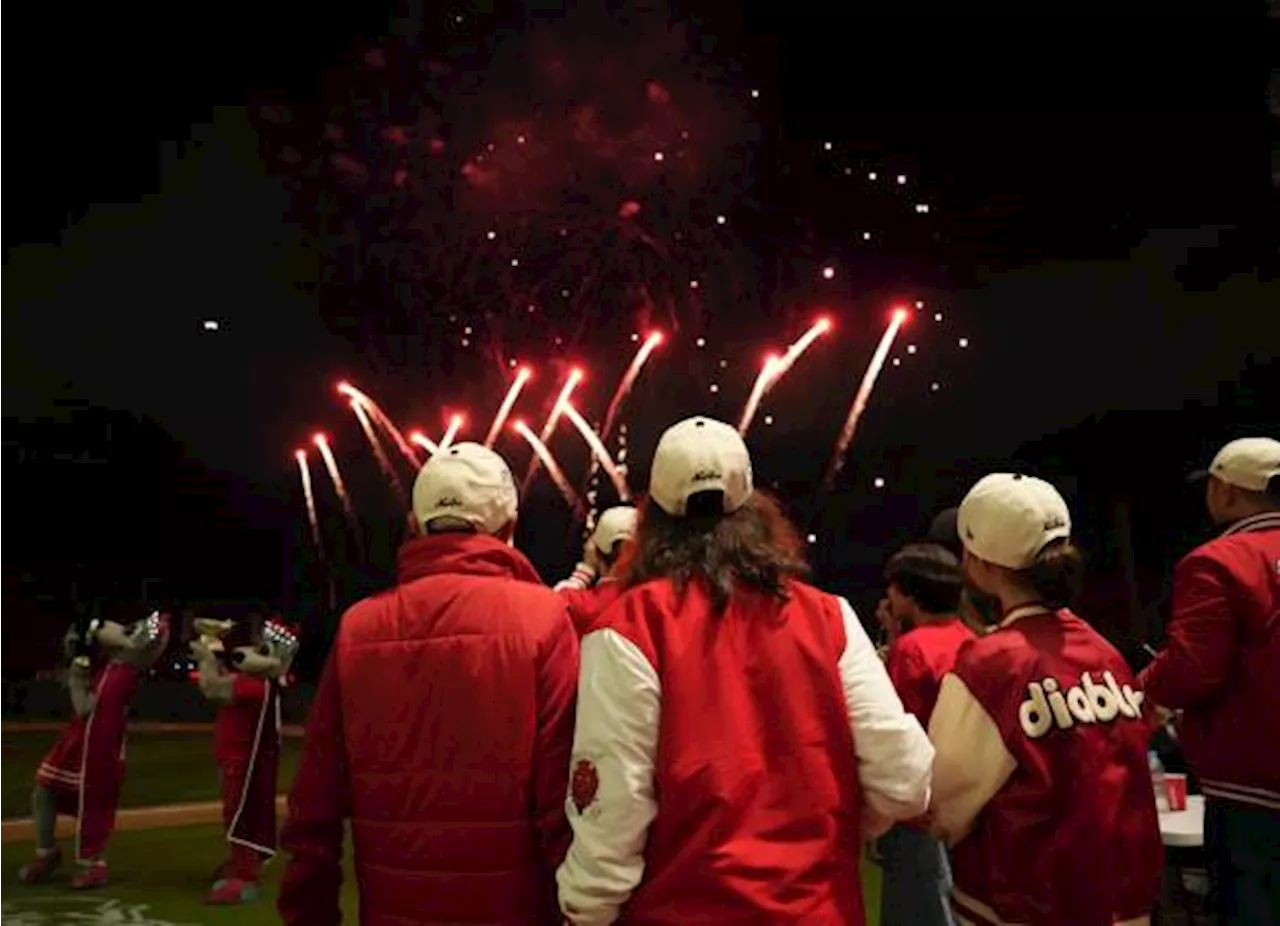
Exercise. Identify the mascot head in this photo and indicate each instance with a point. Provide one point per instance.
(139, 644)
(270, 658)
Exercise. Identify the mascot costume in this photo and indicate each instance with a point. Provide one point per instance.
(245, 683)
(83, 772)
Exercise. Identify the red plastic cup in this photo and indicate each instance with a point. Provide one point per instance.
(1175, 789)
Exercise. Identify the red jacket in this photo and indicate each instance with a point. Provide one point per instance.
(587, 602)
(1041, 778)
(721, 763)
(920, 658)
(1221, 665)
(441, 729)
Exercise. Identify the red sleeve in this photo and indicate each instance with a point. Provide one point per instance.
(557, 697)
(246, 689)
(1202, 638)
(318, 808)
(582, 607)
(909, 675)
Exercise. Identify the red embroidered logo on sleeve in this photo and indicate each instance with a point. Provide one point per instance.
(584, 784)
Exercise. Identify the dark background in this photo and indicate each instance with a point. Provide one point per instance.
(1101, 228)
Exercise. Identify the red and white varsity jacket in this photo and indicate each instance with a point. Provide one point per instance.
(725, 766)
(1041, 782)
(1221, 665)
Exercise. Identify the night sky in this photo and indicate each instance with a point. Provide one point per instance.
(1099, 231)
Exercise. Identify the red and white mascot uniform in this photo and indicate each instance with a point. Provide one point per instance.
(83, 772)
(245, 682)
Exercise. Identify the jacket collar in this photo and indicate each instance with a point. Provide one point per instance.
(1267, 521)
(462, 554)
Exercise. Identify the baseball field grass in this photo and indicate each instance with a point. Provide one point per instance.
(163, 768)
(159, 878)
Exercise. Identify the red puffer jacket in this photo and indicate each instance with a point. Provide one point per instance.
(441, 730)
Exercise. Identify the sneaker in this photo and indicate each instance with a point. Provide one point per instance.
(232, 892)
(90, 877)
(40, 868)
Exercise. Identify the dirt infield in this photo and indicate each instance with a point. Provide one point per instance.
(137, 818)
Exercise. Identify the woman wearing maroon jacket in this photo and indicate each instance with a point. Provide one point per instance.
(1040, 781)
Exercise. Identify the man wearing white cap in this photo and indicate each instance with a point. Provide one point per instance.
(1040, 784)
(1221, 668)
(593, 586)
(736, 732)
(441, 727)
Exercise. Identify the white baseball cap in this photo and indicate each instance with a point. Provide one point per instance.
(466, 481)
(618, 523)
(1248, 463)
(700, 455)
(1008, 518)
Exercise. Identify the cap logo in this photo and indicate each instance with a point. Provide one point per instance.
(448, 501)
(1054, 523)
(704, 475)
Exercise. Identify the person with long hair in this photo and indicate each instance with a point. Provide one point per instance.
(1041, 784)
(737, 735)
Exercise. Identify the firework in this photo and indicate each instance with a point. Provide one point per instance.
(380, 454)
(381, 417)
(863, 396)
(628, 380)
(339, 487)
(802, 344)
(508, 403)
(767, 373)
(455, 425)
(541, 451)
(426, 443)
(593, 441)
(777, 367)
(304, 473)
(566, 392)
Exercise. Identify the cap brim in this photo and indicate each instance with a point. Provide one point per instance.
(1199, 475)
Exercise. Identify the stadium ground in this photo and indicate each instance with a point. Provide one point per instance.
(159, 877)
(168, 764)
(168, 840)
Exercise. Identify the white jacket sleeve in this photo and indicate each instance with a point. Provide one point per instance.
(972, 761)
(583, 576)
(611, 797)
(895, 757)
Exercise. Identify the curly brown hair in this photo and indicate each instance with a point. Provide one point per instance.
(756, 547)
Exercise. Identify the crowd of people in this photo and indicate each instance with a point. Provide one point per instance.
(686, 730)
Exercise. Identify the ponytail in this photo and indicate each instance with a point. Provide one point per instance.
(1056, 575)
